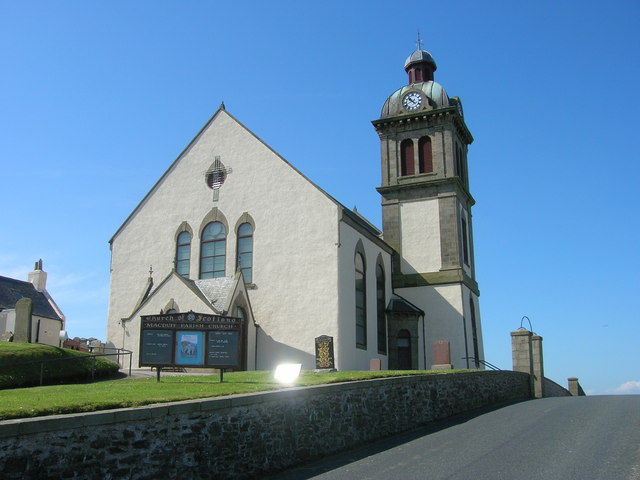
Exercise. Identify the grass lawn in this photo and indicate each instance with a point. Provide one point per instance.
(58, 399)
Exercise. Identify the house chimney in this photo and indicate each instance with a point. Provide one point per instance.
(38, 277)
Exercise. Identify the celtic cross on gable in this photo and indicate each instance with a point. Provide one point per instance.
(215, 176)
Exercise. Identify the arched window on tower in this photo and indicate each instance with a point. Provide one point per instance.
(245, 252)
(381, 307)
(425, 156)
(213, 250)
(183, 254)
(407, 166)
(465, 241)
(361, 302)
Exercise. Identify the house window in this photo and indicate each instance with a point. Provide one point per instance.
(245, 252)
(183, 254)
(425, 157)
(465, 242)
(381, 304)
(361, 302)
(407, 166)
(213, 250)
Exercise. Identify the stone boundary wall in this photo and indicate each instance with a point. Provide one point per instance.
(242, 436)
(552, 389)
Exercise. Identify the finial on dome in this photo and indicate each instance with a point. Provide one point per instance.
(419, 43)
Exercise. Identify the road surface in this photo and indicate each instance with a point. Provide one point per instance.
(568, 438)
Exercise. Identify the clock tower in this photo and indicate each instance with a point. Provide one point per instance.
(426, 218)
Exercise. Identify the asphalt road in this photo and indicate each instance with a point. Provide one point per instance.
(568, 438)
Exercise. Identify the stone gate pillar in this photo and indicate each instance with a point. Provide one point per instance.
(521, 354)
(538, 366)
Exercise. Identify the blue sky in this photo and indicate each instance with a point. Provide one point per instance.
(98, 98)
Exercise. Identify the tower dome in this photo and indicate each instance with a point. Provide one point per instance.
(420, 56)
(432, 95)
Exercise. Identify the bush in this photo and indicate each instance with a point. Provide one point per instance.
(21, 366)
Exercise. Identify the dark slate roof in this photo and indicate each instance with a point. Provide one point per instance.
(399, 304)
(12, 290)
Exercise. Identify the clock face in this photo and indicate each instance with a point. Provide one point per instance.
(412, 101)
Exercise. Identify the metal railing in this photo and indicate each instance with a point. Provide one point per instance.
(482, 362)
(119, 352)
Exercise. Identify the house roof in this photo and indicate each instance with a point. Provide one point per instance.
(12, 290)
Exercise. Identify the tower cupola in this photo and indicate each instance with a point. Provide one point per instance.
(420, 66)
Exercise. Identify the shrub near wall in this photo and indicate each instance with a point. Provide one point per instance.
(242, 436)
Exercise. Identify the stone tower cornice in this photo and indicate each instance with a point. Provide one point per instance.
(424, 119)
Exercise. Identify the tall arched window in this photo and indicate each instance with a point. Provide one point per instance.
(361, 302)
(245, 252)
(213, 250)
(183, 254)
(474, 333)
(425, 157)
(465, 241)
(381, 307)
(407, 166)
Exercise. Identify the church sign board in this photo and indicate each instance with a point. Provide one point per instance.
(195, 340)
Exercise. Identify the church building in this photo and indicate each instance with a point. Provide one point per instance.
(214, 236)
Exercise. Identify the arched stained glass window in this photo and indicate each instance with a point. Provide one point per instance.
(425, 157)
(183, 254)
(245, 252)
(381, 307)
(213, 250)
(407, 166)
(361, 302)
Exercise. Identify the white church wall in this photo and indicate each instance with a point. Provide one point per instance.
(444, 309)
(467, 295)
(420, 220)
(348, 356)
(295, 238)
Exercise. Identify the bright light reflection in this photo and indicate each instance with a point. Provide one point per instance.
(287, 372)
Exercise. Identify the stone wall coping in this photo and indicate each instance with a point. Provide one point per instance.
(26, 426)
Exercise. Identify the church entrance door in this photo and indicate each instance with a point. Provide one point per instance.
(404, 350)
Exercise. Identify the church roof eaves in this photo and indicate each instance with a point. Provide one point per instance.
(188, 283)
(221, 108)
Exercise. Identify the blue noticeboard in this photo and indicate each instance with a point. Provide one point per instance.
(192, 339)
(189, 348)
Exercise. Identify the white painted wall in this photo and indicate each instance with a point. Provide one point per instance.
(49, 333)
(443, 321)
(348, 357)
(295, 240)
(420, 223)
